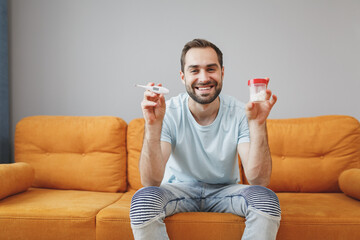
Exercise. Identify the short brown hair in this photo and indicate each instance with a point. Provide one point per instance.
(199, 43)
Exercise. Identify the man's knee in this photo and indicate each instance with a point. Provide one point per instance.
(262, 199)
(146, 204)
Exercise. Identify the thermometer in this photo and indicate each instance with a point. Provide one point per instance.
(155, 89)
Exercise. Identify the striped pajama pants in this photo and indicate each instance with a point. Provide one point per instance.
(259, 205)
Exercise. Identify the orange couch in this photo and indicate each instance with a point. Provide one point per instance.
(74, 178)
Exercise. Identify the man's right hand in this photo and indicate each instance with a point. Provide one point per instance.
(153, 107)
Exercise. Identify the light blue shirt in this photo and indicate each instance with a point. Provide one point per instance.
(204, 153)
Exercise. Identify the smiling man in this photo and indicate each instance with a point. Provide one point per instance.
(189, 158)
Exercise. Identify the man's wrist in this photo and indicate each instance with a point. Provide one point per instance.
(153, 132)
(256, 125)
(258, 131)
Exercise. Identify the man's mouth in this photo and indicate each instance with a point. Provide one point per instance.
(204, 88)
(204, 92)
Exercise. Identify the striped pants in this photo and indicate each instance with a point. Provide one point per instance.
(259, 205)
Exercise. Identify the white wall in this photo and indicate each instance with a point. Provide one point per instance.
(83, 57)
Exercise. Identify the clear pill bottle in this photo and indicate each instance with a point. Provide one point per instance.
(257, 87)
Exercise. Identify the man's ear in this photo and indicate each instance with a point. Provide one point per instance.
(182, 76)
(222, 72)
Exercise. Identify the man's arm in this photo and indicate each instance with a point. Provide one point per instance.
(154, 154)
(255, 156)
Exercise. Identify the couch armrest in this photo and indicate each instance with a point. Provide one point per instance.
(15, 178)
(349, 182)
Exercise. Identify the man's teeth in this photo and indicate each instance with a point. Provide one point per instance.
(204, 88)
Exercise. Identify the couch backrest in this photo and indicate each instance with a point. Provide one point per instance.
(82, 153)
(308, 153)
(135, 135)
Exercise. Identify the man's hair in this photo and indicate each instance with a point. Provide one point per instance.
(199, 43)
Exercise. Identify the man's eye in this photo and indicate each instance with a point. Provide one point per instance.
(194, 71)
(211, 69)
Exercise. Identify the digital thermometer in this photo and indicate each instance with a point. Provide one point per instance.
(155, 89)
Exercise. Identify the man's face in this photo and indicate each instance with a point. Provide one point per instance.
(202, 75)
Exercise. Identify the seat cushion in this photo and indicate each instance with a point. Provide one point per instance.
(304, 216)
(52, 214)
(319, 216)
(78, 153)
(113, 223)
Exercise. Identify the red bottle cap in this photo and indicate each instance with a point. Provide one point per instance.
(258, 80)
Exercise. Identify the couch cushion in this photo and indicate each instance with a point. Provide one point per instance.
(304, 216)
(15, 178)
(349, 182)
(319, 216)
(113, 223)
(85, 153)
(309, 154)
(135, 135)
(52, 214)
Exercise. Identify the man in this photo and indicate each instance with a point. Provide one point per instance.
(188, 161)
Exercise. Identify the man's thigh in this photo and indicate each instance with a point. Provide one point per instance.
(237, 199)
(225, 199)
(186, 197)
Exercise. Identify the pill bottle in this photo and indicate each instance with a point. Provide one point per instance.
(257, 87)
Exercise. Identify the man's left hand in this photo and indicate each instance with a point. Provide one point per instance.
(259, 111)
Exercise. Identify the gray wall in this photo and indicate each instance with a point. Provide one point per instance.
(83, 57)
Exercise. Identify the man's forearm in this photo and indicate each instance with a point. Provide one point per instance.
(260, 162)
(151, 163)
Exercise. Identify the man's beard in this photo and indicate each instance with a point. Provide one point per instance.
(204, 98)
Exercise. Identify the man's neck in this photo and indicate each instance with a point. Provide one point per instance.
(204, 114)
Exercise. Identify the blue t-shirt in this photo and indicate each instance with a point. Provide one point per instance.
(204, 153)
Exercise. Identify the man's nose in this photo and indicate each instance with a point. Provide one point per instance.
(204, 76)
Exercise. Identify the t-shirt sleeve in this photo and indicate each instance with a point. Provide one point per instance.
(244, 133)
(165, 131)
